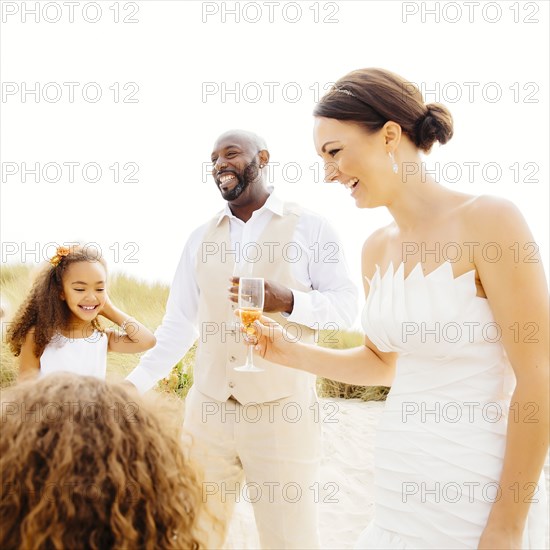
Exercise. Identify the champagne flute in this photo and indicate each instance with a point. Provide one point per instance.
(251, 305)
(242, 268)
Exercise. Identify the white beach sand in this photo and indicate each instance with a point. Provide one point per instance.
(345, 486)
(346, 505)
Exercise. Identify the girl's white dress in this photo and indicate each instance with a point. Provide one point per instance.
(441, 439)
(85, 356)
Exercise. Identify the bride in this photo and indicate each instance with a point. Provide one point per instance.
(456, 322)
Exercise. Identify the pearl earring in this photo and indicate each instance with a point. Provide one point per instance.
(394, 166)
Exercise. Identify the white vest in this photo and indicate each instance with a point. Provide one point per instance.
(221, 347)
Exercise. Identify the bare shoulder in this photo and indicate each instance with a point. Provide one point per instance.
(485, 211)
(28, 341)
(28, 345)
(498, 231)
(29, 363)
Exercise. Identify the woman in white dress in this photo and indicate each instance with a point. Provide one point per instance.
(456, 322)
(57, 327)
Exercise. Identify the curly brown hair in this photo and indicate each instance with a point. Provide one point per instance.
(90, 464)
(43, 308)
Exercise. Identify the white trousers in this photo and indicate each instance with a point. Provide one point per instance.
(267, 454)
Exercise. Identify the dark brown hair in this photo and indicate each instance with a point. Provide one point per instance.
(91, 464)
(43, 308)
(372, 97)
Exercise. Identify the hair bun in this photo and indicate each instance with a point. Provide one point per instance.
(435, 125)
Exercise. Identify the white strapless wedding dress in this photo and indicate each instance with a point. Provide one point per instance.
(441, 438)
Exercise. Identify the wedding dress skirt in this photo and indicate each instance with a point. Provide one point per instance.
(441, 438)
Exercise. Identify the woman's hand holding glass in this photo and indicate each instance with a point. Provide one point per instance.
(269, 340)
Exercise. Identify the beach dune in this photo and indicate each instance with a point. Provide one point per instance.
(345, 489)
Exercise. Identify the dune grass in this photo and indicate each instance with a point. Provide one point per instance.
(147, 302)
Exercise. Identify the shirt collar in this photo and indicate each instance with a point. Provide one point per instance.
(273, 203)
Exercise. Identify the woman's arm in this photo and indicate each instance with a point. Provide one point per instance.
(516, 288)
(137, 337)
(361, 365)
(29, 364)
(364, 365)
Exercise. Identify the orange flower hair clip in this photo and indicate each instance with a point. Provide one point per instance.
(61, 252)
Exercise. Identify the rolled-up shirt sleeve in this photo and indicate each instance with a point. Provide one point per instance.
(333, 301)
(178, 331)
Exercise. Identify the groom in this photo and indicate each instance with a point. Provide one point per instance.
(263, 426)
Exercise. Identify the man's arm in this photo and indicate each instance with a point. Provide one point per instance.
(178, 330)
(334, 298)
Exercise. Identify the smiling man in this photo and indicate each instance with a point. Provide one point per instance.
(256, 434)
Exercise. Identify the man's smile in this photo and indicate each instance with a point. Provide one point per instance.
(227, 180)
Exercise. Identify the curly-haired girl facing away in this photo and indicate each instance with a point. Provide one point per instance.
(57, 327)
(91, 464)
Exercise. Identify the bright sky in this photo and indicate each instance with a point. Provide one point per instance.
(184, 71)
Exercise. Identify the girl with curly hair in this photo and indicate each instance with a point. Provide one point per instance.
(91, 464)
(57, 327)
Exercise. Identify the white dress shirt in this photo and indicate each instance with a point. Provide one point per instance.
(317, 260)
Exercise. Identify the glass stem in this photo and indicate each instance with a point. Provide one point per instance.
(249, 356)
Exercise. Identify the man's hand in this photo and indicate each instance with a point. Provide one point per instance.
(278, 298)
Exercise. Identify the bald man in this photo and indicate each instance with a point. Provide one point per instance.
(256, 434)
